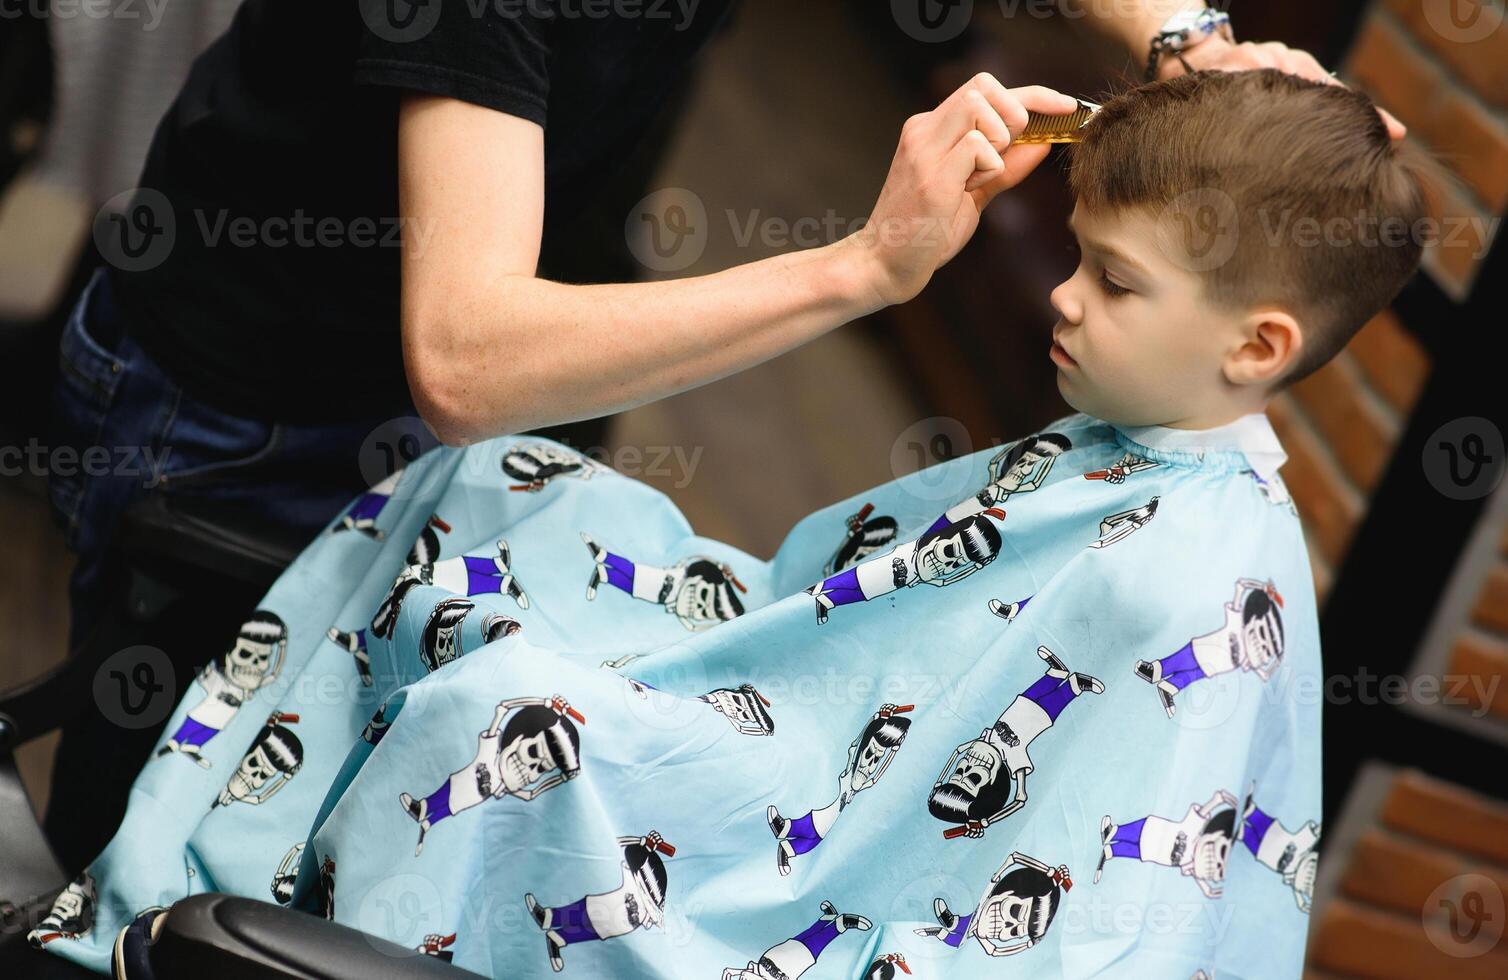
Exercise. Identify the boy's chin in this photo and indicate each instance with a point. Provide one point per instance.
(1072, 395)
(1080, 398)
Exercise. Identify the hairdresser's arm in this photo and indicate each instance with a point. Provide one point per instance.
(490, 349)
(1135, 24)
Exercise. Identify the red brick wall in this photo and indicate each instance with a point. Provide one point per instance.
(1441, 66)
(1418, 860)
(1339, 426)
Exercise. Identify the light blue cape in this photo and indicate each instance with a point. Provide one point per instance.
(1045, 710)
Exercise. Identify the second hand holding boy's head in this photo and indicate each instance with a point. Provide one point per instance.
(1236, 230)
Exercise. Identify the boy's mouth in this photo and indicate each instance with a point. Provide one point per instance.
(1061, 357)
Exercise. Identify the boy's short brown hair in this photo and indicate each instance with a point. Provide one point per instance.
(1277, 189)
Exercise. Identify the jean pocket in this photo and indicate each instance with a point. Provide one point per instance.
(86, 365)
(202, 446)
(88, 376)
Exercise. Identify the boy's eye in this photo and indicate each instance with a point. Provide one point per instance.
(1112, 288)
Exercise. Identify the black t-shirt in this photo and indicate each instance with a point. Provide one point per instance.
(276, 293)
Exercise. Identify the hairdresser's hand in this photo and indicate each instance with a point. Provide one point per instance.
(1218, 54)
(950, 163)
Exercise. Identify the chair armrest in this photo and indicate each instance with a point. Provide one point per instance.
(189, 534)
(227, 937)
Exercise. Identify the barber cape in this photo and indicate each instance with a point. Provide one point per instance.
(1056, 702)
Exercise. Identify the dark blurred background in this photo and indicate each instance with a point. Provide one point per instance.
(794, 115)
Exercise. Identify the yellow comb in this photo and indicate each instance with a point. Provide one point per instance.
(1042, 128)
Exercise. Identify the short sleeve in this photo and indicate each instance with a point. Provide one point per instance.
(493, 54)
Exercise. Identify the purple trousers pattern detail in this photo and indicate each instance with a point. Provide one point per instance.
(573, 923)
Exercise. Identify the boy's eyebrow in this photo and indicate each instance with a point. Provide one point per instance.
(1121, 257)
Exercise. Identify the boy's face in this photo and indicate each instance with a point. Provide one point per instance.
(1136, 343)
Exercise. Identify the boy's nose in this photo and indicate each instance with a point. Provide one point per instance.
(1064, 301)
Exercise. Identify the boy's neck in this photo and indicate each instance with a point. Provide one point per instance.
(1216, 420)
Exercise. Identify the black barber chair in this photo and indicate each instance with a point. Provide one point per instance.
(180, 570)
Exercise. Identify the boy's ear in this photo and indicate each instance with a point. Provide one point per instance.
(1267, 348)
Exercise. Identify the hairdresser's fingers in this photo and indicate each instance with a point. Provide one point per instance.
(1039, 98)
(1230, 57)
(1277, 49)
(1396, 129)
(1303, 64)
(1008, 102)
(1022, 159)
(972, 155)
(1017, 103)
(1002, 104)
(1011, 105)
(961, 113)
(1263, 55)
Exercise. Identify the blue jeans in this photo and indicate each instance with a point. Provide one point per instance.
(135, 432)
(148, 436)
